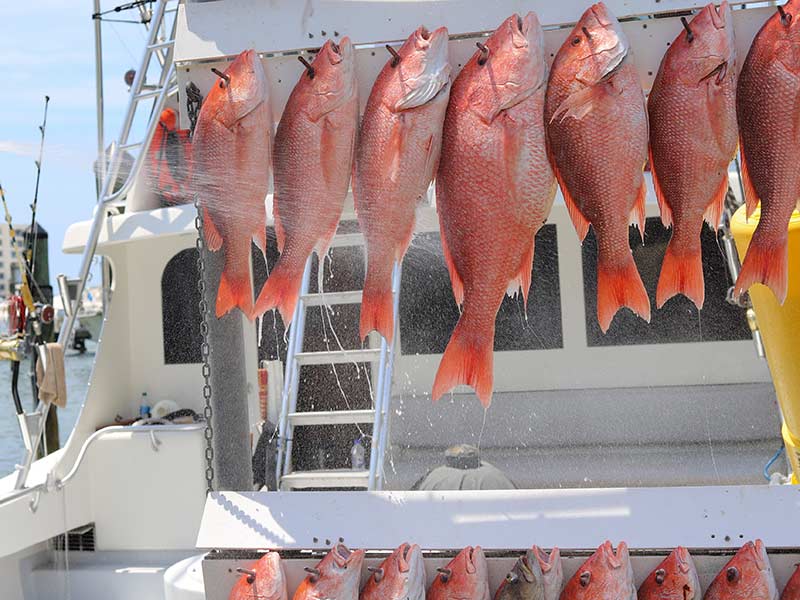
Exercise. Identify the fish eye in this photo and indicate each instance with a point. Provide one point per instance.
(585, 578)
(661, 574)
(576, 40)
(732, 574)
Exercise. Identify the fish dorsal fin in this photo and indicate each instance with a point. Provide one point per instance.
(212, 235)
(663, 203)
(750, 195)
(713, 212)
(580, 222)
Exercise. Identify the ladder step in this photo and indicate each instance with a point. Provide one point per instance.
(332, 417)
(338, 478)
(337, 357)
(344, 240)
(332, 298)
(129, 146)
(148, 94)
(164, 44)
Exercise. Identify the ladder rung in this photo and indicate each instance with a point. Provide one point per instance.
(325, 479)
(160, 45)
(148, 94)
(343, 240)
(332, 298)
(337, 357)
(332, 417)
(129, 146)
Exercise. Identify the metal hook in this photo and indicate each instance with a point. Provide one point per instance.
(221, 75)
(33, 505)
(689, 34)
(786, 18)
(154, 441)
(484, 53)
(251, 575)
(377, 573)
(586, 32)
(314, 573)
(445, 574)
(307, 65)
(395, 56)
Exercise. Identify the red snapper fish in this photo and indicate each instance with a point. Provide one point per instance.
(604, 576)
(768, 107)
(674, 579)
(401, 576)
(494, 190)
(693, 139)
(231, 151)
(792, 589)
(337, 576)
(747, 576)
(314, 146)
(597, 134)
(396, 159)
(466, 577)
(264, 580)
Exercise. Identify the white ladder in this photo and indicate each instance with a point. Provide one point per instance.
(382, 357)
(160, 44)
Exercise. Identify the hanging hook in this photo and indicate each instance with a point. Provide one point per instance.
(221, 75)
(314, 573)
(689, 34)
(445, 574)
(307, 65)
(251, 575)
(786, 18)
(395, 56)
(377, 573)
(484, 53)
(586, 32)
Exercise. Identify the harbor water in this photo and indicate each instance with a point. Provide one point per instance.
(78, 370)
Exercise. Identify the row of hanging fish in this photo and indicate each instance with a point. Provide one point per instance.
(536, 575)
(496, 140)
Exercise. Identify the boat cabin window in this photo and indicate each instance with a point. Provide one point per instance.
(678, 320)
(180, 309)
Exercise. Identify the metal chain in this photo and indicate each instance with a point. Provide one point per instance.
(204, 347)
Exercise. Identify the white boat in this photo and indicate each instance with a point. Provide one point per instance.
(656, 434)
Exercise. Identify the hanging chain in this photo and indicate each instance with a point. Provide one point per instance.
(204, 347)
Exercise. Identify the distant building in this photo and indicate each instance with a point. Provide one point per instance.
(9, 265)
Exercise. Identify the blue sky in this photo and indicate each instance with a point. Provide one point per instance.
(47, 47)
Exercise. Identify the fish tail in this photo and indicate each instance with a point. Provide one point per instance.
(377, 307)
(767, 262)
(682, 273)
(235, 288)
(282, 288)
(468, 359)
(618, 285)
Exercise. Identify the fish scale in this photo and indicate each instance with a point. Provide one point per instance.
(597, 135)
(768, 104)
(494, 191)
(693, 139)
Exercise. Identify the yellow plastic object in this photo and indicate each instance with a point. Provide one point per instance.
(780, 330)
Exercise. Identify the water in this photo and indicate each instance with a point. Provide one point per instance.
(78, 369)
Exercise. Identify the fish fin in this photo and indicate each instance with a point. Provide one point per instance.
(681, 273)
(713, 213)
(235, 290)
(619, 285)
(580, 222)
(394, 149)
(579, 104)
(281, 289)
(377, 306)
(428, 86)
(433, 151)
(750, 195)
(468, 359)
(212, 235)
(663, 203)
(455, 279)
(525, 272)
(766, 262)
(638, 210)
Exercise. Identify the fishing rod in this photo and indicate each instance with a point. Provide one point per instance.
(33, 236)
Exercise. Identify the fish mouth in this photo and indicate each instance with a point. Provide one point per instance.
(759, 554)
(545, 561)
(719, 14)
(526, 567)
(423, 33)
(682, 558)
(471, 556)
(404, 557)
(342, 555)
(601, 14)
